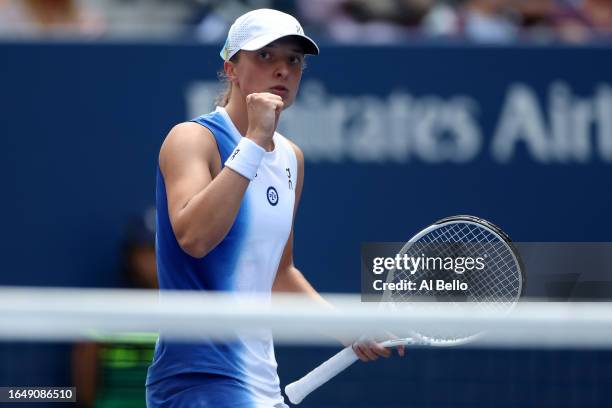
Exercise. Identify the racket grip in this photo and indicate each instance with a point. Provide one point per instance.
(298, 390)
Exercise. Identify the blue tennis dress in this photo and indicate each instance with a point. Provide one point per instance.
(238, 373)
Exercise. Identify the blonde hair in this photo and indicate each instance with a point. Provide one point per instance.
(223, 98)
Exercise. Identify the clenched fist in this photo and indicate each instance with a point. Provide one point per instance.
(264, 110)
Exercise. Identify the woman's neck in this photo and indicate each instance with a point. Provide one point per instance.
(236, 109)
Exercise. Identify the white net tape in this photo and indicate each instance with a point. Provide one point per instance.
(37, 314)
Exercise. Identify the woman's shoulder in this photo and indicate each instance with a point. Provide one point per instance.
(299, 155)
(188, 135)
(187, 138)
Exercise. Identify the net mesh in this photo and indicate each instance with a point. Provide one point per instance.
(550, 362)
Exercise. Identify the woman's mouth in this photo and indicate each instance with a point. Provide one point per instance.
(279, 90)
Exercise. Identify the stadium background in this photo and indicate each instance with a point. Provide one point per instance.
(395, 136)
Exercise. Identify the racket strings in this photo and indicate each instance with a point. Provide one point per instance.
(498, 281)
(495, 288)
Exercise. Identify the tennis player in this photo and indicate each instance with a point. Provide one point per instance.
(228, 186)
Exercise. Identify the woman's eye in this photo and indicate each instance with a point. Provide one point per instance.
(264, 55)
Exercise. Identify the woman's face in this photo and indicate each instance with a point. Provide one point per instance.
(275, 68)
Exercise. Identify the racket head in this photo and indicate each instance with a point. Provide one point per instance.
(496, 288)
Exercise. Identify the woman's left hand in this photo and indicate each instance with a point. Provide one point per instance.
(370, 350)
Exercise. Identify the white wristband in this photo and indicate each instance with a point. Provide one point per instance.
(245, 158)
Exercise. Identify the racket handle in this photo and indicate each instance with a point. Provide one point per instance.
(298, 390)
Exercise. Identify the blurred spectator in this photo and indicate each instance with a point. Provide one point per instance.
(403, 12)
(489, 21)
(344, 21)
(112, 374)
(442, 20)
(216, 17)
(535, 13)
(362, 21)
(582, 21)
(41, 18)
(484, 21)
(149, 19)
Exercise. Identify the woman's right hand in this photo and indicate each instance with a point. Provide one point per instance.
(264, 110)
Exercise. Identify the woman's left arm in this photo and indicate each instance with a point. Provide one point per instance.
(288, 277)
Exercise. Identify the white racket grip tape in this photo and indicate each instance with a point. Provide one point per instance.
(298, 390)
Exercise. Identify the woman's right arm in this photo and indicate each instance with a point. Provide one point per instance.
(202, 209)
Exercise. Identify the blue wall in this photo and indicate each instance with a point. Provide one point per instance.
(394, 137)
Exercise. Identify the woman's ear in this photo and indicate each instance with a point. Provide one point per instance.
(229, 69)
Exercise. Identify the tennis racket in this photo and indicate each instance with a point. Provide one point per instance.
(495, 288)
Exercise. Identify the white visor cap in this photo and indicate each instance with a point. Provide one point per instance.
(258, 28)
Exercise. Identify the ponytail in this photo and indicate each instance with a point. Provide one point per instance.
(223, 98)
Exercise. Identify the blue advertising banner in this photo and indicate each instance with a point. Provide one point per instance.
(394, 139)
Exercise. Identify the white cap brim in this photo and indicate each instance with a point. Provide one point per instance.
(310, 47)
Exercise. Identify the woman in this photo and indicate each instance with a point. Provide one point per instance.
(228, 186)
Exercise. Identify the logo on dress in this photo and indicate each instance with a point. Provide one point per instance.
(288, 170)
(272, 196)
